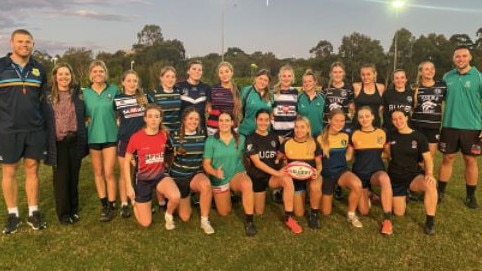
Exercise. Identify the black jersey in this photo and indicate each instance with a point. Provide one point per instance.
(406, 153)
(374, 101)
(266, 147)
(338, 98)
(396, 100)
(428, 111)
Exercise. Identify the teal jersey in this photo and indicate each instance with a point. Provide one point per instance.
(252, 102)
(313, 110)
(99, 109)
(230, 157)
(463, 109)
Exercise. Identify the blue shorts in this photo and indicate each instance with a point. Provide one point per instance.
(122, 147)
(329, 183)
(144, 189)
(14, 146)
(300, 186)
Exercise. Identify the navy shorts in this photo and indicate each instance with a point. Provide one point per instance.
(14, 146)
(432, 135)
(144, 189)
(300, 186)
(260, 184)
(122, 147)
(184, 184)
(401, 183)
(329, 183)
(101, 146)
(453, 140)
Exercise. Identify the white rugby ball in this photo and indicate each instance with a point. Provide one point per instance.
(300, 170)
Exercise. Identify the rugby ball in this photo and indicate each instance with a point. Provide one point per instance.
(300, 170)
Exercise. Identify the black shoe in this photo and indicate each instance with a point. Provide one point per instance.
(125, 211)
(250, 229)
(13, 222)
(440, 197)
(35, 221)
(429, 229)
(162, 208)
(338, 193)
(66, 220)
(107, 214)
(313, 221)
(75, 218)
(412, 196)
(471, 202)
(278, 196)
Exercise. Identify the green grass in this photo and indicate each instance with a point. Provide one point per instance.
(123, 245)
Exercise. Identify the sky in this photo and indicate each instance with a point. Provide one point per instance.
(288, 28)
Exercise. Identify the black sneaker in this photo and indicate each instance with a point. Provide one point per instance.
(429, 229)
(338, 194)
(278, 196)
(440, 197)
(35, 221)
(13, 222)
(75, 218)
(471, 202)
(412, 196)
(125, 211)
(107, 214)
(313, 221)
(66, 220)
(250, 229)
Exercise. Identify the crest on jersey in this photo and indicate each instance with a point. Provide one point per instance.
(437, 91)
(273, 143)
(249, 147)
(414, 144)
(409, 99)
(379, 140)
(343, 93)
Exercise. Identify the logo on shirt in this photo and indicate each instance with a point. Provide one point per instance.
(414, 144)
(467, 84)
(249, 147)
(154, 158)
(35, 72)
(409, 99)
(437, 91)
(273, 143)
(379, 140)
(343, 93)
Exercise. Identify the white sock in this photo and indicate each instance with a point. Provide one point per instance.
(351, 214)
(124, 203)
(13, 210)
(32, 209)
(204, 219)
(168, 216)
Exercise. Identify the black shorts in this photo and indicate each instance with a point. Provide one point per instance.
(453, 140)
(329, 183)
(122, 147)
(101, 146)
(260, 184)
(144, 189)
(300, 186)
(184, 184)
(14, 146)
(366, 179)
(401, 183)
(432, 135)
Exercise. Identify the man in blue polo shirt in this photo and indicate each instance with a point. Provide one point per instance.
(22, 81)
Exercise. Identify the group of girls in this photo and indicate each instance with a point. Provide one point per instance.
(186, 138)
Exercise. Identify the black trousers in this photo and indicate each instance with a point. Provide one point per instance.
(66, 177)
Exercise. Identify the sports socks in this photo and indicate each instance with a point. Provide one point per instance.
(32, 209)
(441, 186)
(13, 210)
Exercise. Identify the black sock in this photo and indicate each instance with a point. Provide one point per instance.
(470, 190)
(430, 219)
(441, 186)
(288, 215)
(315, 211)
(112, 204)
(103, 201)
(249, 218)
(387, 215)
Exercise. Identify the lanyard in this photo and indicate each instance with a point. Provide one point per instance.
(23, 78)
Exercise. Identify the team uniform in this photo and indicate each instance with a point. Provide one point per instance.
(406, 154)
(284, 112)
(368, 148)
(170, 103)
(374, 101)
(221, 100)
(427, 115)
(102, 128)
(305, 151)
(266, 147)
(334, 165)
(195, 96)
(395, 100)
(149, 150)
(252, 102)
(188, 158)
(339, 98)
(461, 127)
(21, 118)
(228, 156)
(313, 110)
(131, 119)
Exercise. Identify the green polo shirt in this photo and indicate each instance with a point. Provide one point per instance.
(313, 110)
(99, 109)
(228, 156)
(252, 102)
(463, 108)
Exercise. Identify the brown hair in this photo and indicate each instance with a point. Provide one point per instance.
(238, 105)
(233, 131)
(180, 150)
(334, 65)
(267, 73)
(54, 95)
(140, 97)
(325, 135)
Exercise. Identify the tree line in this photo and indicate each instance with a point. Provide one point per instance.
(151, 52)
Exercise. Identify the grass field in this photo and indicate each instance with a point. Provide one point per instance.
(123, 245)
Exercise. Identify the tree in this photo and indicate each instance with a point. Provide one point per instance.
(461, 39)
(323, 49)
(149, 35)
(79, 59)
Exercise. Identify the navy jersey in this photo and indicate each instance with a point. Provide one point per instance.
(196, 96)
(266, 147)
(428, 110)
(130, 114)
(221, 100)
(170, 102)
(188, 154)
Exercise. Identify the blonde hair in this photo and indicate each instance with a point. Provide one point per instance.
(98, 63)
(238, 105)
(309, 72)
(324, 137)
(418, 81)
(334, 65)
(309, 138)
(285, 68)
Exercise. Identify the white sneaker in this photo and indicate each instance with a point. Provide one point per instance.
(169, 222)
(207, 228)
(353, 219)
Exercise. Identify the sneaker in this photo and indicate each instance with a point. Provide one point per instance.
(293, 225)
(313, 221)
(338, 194)
(440, 197)
(35, 221)
(250, 229)
(412, 196)
(207, 228)
(66, 220)
(355, 222)
(13, 222)
(387, 228)
(471, 202)
(278, 196)
(75, 218)
(162, 207)
(169, 223)
(125, 211)
(429, 229)
(107, 214)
